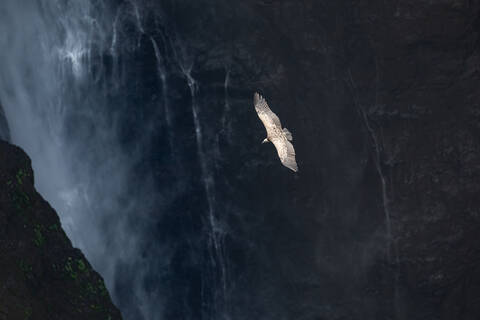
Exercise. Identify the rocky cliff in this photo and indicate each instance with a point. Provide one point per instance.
(383, 102)
(42, 276)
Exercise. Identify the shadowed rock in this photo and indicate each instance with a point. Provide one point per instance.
(42, 276)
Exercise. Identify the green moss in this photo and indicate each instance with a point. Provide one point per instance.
(26, 269)
(90, 289)
(21, 200)
(81, 265)
(28, 313)
(39, 238)
(101, 288)
(75, 268)
(53, 227)
(21, 174)
(95, 290)
(69, 269)
(98, 307)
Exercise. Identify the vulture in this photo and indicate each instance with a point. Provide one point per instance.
(275, 134)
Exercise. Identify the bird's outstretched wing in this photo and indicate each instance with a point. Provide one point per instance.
(269, 119)
(279, 137)
(286, 152)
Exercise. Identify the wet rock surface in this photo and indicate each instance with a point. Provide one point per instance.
(42, 276)
(383, 104)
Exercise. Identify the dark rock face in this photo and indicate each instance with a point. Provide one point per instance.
(42, 276)
(383, 102)
(424, 109)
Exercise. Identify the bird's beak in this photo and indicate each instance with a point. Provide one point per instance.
(264, 141)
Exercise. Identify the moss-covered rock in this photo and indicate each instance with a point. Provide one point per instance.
(41, 275)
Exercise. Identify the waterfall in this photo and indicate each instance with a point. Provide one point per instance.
(138, 17)
(70, 90)
(378, 166)
(163, 78)
(377, 148)
(226, 111)
(113, 45)
(55, 89)
(217, 256)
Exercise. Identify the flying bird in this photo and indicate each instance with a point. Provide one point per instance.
(275, 134)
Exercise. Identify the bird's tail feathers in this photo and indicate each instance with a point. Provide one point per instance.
(288, 135)
(257, 98)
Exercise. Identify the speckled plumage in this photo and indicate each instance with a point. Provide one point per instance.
(275, 134)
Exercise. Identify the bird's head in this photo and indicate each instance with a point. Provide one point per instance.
(265, 140)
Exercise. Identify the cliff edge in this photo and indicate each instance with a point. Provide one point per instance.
(42, 276)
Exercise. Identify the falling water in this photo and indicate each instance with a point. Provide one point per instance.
(226, 111)
(163, 78)
(138, 17)
(391, 244)
(113, 46)
(65, 87)
(55, 91)
(378, 166)
(217, 258)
